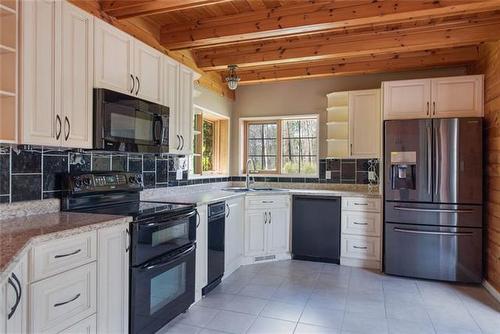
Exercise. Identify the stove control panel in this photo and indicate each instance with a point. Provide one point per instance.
(105, 181)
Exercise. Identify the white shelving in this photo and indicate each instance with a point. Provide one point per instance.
(338, 124)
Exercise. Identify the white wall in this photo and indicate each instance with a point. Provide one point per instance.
(307, 96)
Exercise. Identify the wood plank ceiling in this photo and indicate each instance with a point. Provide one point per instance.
(280, 40)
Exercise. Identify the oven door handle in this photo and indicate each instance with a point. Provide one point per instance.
(149, 266)
(166, 222)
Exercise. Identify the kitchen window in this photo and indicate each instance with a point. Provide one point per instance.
(211, 144)
(286, 146)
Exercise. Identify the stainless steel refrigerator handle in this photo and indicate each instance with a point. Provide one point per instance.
(429, 160)
(404, 230)
(402, 208)
(437, 161)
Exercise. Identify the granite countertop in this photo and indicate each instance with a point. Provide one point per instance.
(207, 197)
(18, 234)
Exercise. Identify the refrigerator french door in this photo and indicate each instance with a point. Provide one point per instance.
(433, 199)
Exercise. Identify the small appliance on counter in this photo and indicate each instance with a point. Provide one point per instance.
(216, 235)
(127, 123)
(433, 199)
(163, 243)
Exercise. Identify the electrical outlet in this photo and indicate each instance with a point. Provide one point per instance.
(328, 175)
(372, 176)
(178, 175)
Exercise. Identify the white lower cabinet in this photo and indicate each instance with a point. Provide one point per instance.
(13, 297)
(86, 326)
(201, 271)
(233, 234)
(61, 301)
(361, 238)
(267, 226)
(113, 279)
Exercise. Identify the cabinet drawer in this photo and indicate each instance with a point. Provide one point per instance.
(63, 300)
(86, 326)
(361, 204)
(361, 223)
(260, 202)
(360, 247)
(60, 255)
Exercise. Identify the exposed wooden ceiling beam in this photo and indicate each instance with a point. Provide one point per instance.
(351, 45)
(123, 9)
(310, 18)
(373, 64)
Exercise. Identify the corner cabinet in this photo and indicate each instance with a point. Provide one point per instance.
(233, 234)
(56, 74)
(201, 276)
(126, 65)
(460, 96)
(267, 228)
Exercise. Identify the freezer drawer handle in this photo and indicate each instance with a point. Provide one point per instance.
(402, 208)
(357, 247)
(267, 202)
(356, 223)
(364, 204)
(404, 230)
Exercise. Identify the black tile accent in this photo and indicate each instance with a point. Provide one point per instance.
(101, 163)
(362, 177)
(148, 162)
(148, 179)
(26, 162)
(26, 187)
(135, 165)
(4, 174)
(119, 163)
(335, 177)
(53, 168)
(161, 170)
(333, 164)
(322, 169)
(83, 167)
(362, 165)
(348, 170)
(171, 164)
(4, 198)
(53, 194)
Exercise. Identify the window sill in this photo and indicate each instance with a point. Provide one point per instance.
(302, 176)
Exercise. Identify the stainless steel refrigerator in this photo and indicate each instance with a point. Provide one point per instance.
(433, 223)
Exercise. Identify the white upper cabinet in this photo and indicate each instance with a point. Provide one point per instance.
(113, 56)
(56, 80)
(364, 123)
(77, 79)
(407, 99)
(171, 100)
(185, 110)
(148, 72)
(460, 96)
(457, 96)
(40, 118)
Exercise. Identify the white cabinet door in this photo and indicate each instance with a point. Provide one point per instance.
(86, 326)
(40, 25)
(3, 308)
(457, 96)
(148, 72)
(233, 233)
(171, 100)
(113, 57)
(277, 230)
(185, 115)
(77, 45)
(16, 290)
(255, 232)
(364, 122)
(201, 250)
(407, 99)
(113, 279)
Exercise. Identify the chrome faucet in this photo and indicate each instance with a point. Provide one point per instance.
(248, 182)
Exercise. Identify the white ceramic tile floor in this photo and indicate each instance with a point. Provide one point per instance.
(310, 297)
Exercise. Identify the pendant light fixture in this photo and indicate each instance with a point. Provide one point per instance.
(232, 78)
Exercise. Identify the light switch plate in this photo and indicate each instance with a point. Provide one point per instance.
(328, 175)
(178, 175)
(372, 176)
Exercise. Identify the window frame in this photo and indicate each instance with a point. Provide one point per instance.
(244, 122)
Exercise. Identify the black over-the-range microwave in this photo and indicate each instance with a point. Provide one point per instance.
(127, 123)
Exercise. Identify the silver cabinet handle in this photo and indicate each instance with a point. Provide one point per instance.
(133, 84)
(68, 301)
(356, 223)
(265, 217)
(434, 107)
(138, 85)
(428, 108)
(198, 218)
(127, 248)
(18, 291)
(402, 208)
(270, 217)
(362, 204)
(357, 247)
(58, 124)
(66, 121)
(178, 142)
(68, 254)
(182, 138)
(267, 202)
(407, 230)
(228, 210)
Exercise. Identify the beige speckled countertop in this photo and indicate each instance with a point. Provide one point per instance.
(18, 234)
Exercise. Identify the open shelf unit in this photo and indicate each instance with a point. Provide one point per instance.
(8, 70)
(338, 124)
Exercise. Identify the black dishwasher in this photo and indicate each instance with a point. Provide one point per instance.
(316, 228)
(216, 234)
